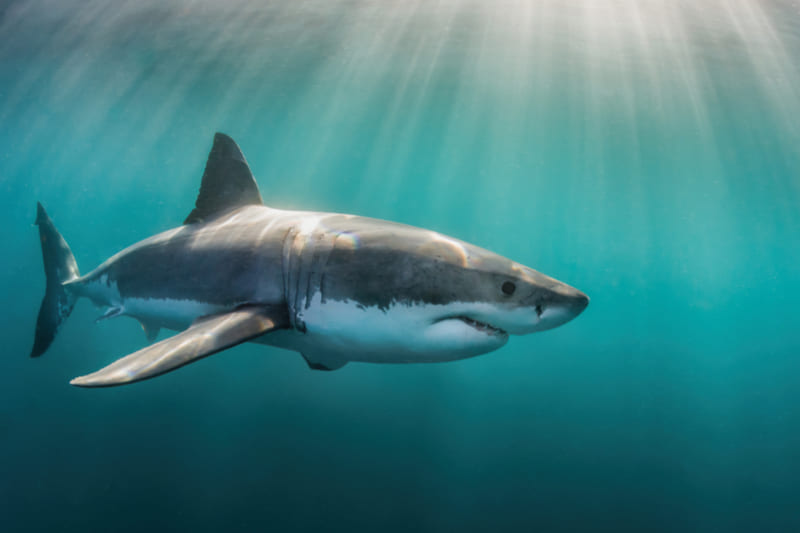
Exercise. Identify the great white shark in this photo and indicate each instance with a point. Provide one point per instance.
(336, 288)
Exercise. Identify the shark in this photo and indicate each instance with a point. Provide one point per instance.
(334, 287)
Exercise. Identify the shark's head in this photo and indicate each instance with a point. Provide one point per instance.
(516, 300)
(497, 298)
(441, 297)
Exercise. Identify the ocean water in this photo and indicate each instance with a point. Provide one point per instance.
(645, 152)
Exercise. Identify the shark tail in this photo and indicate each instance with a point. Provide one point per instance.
(60, 268)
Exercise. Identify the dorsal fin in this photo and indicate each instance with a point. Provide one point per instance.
(227, 182)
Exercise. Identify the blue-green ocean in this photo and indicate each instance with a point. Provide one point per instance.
(645, 152)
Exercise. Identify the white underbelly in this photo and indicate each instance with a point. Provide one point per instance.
(399, 334)
(175, 314)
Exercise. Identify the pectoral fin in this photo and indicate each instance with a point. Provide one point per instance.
(205, 337)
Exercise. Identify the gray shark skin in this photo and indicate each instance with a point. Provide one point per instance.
(336, 288)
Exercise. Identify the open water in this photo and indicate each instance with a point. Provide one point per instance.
(645, 152)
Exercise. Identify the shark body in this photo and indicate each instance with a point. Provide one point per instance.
(336, 288)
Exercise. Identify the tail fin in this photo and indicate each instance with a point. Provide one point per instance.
(59, 267)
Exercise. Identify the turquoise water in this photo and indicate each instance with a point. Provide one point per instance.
(643, 152)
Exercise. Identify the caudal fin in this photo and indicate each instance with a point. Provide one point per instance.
(59, 267)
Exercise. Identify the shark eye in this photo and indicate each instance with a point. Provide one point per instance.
(509, 288)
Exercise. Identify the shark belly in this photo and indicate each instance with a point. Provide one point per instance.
(341, 331)
(170, 313)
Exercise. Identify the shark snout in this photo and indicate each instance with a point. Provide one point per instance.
(577, 302)
(564, 304)
(581, 304)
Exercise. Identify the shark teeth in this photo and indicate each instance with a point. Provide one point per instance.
(481, 326)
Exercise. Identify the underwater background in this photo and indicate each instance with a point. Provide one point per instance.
(645, 152)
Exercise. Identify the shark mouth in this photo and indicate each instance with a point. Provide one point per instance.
(481, 326)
